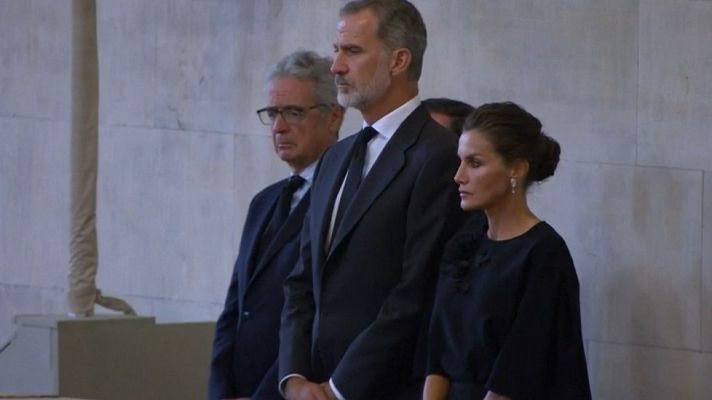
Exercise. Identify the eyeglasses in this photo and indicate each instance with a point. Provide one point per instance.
(291, 114)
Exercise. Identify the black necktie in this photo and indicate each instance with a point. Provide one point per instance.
(353, 178)
(281, 210)
(284, 203)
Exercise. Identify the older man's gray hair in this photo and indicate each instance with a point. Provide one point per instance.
(308, 65)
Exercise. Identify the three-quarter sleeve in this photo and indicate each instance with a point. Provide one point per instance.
(437, 340)
(542, 356)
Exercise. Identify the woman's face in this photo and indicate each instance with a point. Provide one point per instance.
(483, 176)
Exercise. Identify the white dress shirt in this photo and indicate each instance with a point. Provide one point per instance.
(386, 127)
(308, 175)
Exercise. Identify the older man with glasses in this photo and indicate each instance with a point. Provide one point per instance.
(305, 119)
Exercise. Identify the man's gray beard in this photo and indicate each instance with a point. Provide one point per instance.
(351, 99)
(359, 99)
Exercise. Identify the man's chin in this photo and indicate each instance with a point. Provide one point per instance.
(343, 100)
(285, 155)
(349, 100)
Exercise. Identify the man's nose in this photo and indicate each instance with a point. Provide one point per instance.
(280, 124)
(338, 67)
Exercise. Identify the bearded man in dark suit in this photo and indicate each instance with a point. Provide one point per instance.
(305, 119)
(383, 205)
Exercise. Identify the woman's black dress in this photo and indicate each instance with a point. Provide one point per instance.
(507, 318)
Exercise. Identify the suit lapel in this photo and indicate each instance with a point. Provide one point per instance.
(290, 228)
(254, 233)
(321, 208)
(386, 168)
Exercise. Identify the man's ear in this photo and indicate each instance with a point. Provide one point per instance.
(400, 61)
(337, 118)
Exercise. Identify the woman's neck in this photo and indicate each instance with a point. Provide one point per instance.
(509, 220)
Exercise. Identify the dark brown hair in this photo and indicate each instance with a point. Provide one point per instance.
(455, 109)
(516, 135)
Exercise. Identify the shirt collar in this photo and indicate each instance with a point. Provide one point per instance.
(389, 123)
(308, 172)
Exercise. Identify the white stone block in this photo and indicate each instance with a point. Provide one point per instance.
(34, 194)
(195, 66)
(675, 101)
(35, 58)
(634, 234)
(572, 64)
(707, 265)
(128, 50)
(166, 212)
(622, 372)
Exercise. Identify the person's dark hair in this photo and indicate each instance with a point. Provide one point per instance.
(400, 25)
(516, 135)
(455, 109)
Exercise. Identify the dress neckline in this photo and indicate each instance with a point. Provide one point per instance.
(503, 241)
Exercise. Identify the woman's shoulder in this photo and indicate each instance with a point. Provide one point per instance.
(550, 252)
(545, 236)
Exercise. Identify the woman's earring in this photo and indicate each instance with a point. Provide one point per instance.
(513, 184)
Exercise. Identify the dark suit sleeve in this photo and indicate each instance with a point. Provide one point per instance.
(222, 384)
(295, 332)
(388, 343)
(267, 388)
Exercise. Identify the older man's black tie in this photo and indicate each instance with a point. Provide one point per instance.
(281, 210)
(353, 178)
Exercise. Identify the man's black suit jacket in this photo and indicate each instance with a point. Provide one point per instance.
(358, 311)
(245, 348)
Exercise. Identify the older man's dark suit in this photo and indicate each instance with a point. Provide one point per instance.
(245, 349)
(356, 312)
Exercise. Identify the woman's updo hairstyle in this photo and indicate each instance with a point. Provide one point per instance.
(516, 135)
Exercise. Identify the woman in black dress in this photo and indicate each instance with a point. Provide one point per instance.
(506, 322)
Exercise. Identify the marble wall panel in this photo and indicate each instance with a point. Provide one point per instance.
(35, 58)
(675, 105)
(166, 212)
(624, 372)
(167, 310)
(128, 50)
(635, 235)
(195, 65)
(34, 199)
(572, 64)
(171, 310)
(706, 276)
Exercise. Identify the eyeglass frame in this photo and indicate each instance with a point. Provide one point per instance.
(291, 119)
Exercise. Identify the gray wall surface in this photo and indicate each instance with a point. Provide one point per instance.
(624, 85)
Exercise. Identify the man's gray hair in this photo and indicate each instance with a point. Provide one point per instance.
(400, 25)
(308, 65)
